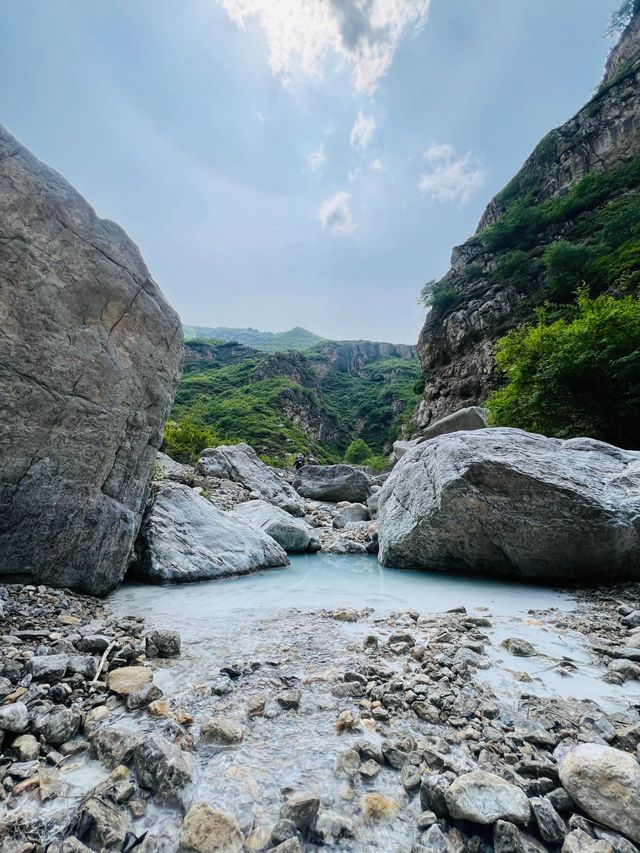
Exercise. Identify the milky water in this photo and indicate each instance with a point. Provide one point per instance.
(275, 619)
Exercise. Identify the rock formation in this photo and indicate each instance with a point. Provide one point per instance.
(292, 534)
(510, 503)
(240, 464)
(333, 483)
(184, 537)
(90, 356)
(490, 290)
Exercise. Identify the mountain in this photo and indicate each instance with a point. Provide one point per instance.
(316, 402)
(295, 339)
(569, 218)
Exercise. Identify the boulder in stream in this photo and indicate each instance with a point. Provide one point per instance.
(510, 503)
(184, 537)
(292, 534)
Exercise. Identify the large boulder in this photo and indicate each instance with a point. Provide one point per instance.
(240, 463)
(605, 783)
(90, 356)
(510, 503)
(184, 537)
(333, 483)
(292, 534)
(485, 798)
(469, 418)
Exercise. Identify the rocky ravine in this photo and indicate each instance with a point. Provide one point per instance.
(90, 356)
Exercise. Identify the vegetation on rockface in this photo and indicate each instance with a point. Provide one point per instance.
(575, 376)
(280, 404)
(622, 16)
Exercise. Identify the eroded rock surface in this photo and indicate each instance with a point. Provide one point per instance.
(511, 503)
(333, 483)
(90, 356)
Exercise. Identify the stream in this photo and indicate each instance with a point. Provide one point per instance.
(278, 623)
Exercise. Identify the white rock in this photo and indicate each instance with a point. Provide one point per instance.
(485, 798)
(292, 534)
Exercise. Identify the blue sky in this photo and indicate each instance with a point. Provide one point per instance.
(295, 162)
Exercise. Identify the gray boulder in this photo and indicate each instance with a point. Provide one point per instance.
(333, 483)
(605, 783)
(349, 514)
(90, 357)
(163, 768)
(469, 418)
(184, 537)
(290, 533)
(240, 463)
(511, 503)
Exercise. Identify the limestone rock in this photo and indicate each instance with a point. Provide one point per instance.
(605, 783)
(163, 643)
(240, 463)
(222, 731)
(56, 724)
(485, 798)
(14, 717)
(292, 534)
(471, 417)
(90, 357)
(515, 504)
(579, 842)
(333, 483)
(209, 830)
(185, 538)
(128, 679)
(301, 809)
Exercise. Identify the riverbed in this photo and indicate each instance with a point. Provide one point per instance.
(303, 627)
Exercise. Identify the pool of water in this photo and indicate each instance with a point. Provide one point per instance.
(317, 581)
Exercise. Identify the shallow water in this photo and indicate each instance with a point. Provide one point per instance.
(275, 619)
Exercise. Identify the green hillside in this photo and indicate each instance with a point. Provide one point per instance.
(283, 404)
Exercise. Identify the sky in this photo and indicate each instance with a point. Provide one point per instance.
(295, 162)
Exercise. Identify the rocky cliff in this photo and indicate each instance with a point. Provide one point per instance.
(90, 356)
(577, 180)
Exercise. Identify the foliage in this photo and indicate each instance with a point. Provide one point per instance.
(438, 295)
(566, 266)
(578, 376)
(622, 16)
(268, 400)
(357, 452)
(185, 438)
(377, 464)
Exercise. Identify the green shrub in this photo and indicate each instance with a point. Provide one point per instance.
(377, 464)
(577, 376)
(566, 265)
(438, 295)
(358, 452)
(184, 439)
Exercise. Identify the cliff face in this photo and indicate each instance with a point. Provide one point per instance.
(497, 276)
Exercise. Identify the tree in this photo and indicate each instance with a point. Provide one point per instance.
(574, 377)
(358, 452)
(566, 264)
(437, 294)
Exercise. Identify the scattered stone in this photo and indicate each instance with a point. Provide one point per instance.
(14, 717)
(485, 798)
(579, 842)
(222, 731)
(56, 724)
(605, 783)
(377, 807)
(518, 647)
(289, 699)
(143, 697)
(128, 679)
(209, 830)
(551, 826)
(163, 768)
(302, 810)
(163, 643)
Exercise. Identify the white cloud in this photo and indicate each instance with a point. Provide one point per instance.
(317, 159)
(377, 165)
(449, 176)
(301, 34)
(335, 216)
(362, 131)
(352, 175)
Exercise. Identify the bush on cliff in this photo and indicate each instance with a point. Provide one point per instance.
(184, 439)
(358, 452)
(572, 377)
